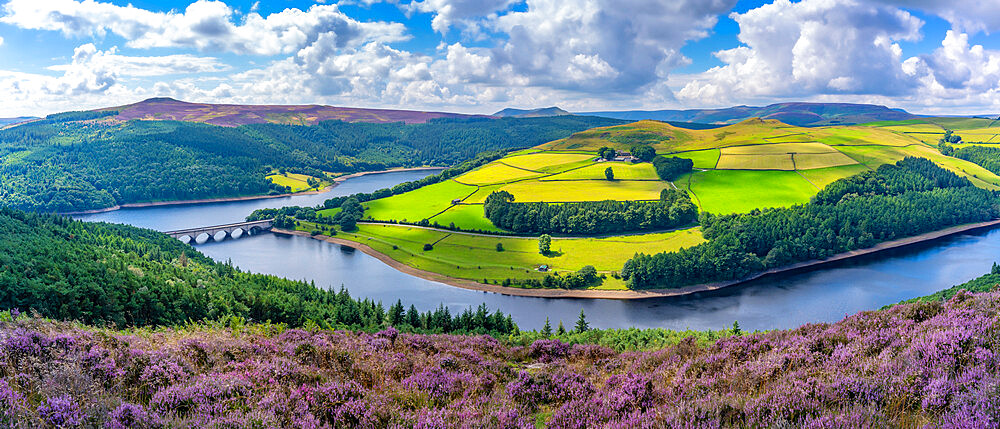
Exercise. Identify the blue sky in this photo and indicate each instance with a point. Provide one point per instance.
(479, 56)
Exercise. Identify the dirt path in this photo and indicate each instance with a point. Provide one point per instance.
(640, 294)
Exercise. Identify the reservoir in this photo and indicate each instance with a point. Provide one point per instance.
(784, 301)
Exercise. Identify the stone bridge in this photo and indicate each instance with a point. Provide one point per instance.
(220, 232)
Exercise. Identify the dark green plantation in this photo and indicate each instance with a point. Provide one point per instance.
(79, 161)
(100, 273)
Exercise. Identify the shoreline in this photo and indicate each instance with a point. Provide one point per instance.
(645, 293)
(336, 181)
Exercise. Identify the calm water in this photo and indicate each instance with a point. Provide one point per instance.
(778, 302)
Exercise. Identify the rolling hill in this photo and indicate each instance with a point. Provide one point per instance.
(231, 115)
(789, 113)
(531, 113)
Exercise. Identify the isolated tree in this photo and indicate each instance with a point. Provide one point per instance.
(736, 328)
(544, 244)
(499, 247)
(581, 323)
(609, 173)
(588, 273)
(547, 328)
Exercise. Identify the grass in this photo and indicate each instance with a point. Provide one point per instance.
(806, 161)
(778, 148)
(755, 162)
(475, 257)
(494, 173)
(738, 191)
(622, 170)
(468, 217)
(585, 190)
(547, 162)
(418, 204)
(702, 158)
(820, 177)
(297, 182)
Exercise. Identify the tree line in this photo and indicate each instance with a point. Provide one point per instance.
(100, 273)
(673, 209)
(68, 163)
(911, 197)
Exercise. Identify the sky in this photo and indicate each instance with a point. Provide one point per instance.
(479, 56)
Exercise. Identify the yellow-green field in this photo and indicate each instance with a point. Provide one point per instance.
(495, 173)
(739, 191)
(707, 158)
(297, 182)
(419, 204)
(475, 257)
(588, 190)
(622, 170)
(548, 162)
(755, 162)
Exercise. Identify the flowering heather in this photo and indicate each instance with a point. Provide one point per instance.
(934, 364)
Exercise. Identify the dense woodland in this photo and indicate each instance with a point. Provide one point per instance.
(101, 273)
(911, 197)
(986, 157)
(57, 165)
(673, 209)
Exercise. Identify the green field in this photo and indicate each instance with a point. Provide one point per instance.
(548, 162)
(585, 190)
(820, 177)
(738, 191)
(418, 204)
(702, 158)
(297, 182)
(622, 170)
(475, 257)
(468, 217)
(495, 173)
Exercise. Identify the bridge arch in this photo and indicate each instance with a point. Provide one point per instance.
(220, 232)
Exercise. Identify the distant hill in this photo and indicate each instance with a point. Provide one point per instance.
(532, 113)
(789, 113)
(8, 121)
(242, 114)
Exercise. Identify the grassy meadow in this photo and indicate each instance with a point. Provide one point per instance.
(737, 168)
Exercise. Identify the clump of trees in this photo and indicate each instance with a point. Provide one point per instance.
(644, 153)
(606, 153)
(911, 197)
(670, 168)
(609, 173)
(673, 209)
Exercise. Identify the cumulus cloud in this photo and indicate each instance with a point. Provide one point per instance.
(140, 66)
(601, 45)
(450, 12)
(968, 16)
(808, 48)
(204, 25)
(1, 41)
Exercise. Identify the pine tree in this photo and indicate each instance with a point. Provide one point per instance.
(560, 330)
(581, 323)
(736, 328)
(547, 328)
(413, 316)
(396, 313)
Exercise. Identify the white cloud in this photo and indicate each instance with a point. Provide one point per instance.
(143, 66)
(1, 41)
(969, 16)
(204, 25)
(808, 48)
(601, 45)
(450, 12)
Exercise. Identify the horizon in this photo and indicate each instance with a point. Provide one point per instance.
(930, 58)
